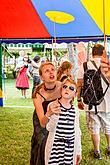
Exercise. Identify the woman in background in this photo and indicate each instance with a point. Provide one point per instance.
(22, 81)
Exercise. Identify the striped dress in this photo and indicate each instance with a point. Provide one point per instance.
(63, 145)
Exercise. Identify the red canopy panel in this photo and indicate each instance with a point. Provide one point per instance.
(19, 19)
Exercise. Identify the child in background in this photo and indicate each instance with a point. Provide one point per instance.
(63, 144)
(64, 71)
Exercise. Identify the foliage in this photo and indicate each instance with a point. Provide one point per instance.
(15, 54)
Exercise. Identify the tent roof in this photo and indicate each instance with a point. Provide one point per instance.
(32, 20)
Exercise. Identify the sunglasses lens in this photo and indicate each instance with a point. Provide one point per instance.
(65, 86)
(71, 88)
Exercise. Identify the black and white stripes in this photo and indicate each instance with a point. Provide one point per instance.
(63, 146)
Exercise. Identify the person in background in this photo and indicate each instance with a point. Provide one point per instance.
(44, 93)
(20, 61)
(22, 82)
(101, 120)
(64, 71)
(35, 63)
(63, 145)
(105, 66)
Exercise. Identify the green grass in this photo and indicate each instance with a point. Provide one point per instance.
(12, 96)
(87, 147)
(16, 130)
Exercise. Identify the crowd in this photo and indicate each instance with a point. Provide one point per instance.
(56, 138)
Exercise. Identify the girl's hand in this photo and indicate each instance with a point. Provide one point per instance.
(53, 108)
(78, 159)
(80, 105)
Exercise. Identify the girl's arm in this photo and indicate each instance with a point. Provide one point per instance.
(53, 108)
(52, 123)
(78, 135)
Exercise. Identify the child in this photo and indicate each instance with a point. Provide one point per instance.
(63, 144)
(64, 71)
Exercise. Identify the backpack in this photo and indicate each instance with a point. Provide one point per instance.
(93, 93)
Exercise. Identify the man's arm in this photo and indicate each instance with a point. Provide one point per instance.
(79, 88)
(35, 65)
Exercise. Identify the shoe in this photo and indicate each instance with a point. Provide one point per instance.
(108, 151)
(23, 97)
(97, 155)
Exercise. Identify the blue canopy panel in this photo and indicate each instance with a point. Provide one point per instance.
(82, 25)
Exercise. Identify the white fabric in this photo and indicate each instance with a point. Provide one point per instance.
(35, 68)
(105, 104)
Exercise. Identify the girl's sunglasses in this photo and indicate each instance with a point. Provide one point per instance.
(70, 88)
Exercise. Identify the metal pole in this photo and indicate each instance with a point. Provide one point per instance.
(105, 39)
(1, 92)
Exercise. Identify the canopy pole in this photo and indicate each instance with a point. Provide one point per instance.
(54, 31)
(1, 92)
(55, 52)
(105, 38)
(52, 51)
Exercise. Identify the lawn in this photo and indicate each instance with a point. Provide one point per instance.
(16, 130)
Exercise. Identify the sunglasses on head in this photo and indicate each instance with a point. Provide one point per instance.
(70, 88)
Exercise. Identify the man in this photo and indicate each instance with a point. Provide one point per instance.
(101, 120)
(35, 63)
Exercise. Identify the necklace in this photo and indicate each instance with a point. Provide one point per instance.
(49, 89)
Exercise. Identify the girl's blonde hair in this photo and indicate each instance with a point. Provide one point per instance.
(64, 66)
(72, 82)
(69, 80)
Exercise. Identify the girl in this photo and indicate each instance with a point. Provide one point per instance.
(63, 146)
(64, 71)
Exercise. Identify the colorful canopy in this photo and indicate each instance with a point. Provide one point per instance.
(47, 19)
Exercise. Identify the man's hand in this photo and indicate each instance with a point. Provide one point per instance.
(80, 105)
(105, 68)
